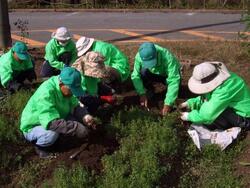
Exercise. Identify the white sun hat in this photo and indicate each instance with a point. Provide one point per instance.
(207, 76)
(62, 34)
(83, 45)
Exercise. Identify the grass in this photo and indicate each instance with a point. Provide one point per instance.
(153, 151)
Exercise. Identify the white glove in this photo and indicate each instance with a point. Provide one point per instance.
(183, 105)
(184, 116)
(88, 120)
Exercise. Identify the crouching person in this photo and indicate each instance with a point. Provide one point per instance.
(54, 110)
(15, 67)
(93, 71)
(224, 100)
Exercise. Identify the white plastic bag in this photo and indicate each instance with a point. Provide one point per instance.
(202, 136)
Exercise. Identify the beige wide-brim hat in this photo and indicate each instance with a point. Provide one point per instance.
(61, 34)
(207, 76)
(83, 45)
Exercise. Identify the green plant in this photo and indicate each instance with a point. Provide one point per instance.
(76, 177)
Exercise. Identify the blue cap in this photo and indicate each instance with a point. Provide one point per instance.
(72, 78)
(21, 50)
(148, 54)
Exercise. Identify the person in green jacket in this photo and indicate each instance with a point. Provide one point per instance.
(54, 110)
(93, 71)
(224, 99)
(16, 66)
(60, 52)
(154, 63)
(116, 62)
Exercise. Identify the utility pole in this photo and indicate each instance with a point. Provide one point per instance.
(5, 38)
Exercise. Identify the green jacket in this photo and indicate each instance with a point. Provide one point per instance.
(113, 57)
(233, 93)
(167, 65)
(53, 50)
(10, 67)
(90, 85)
(46, 104)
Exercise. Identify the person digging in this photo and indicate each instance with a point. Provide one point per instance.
(60, 52)
(54, 111)
(154, 63)
(116, 63)
(224, 99)
(93, 71)
(16, 66)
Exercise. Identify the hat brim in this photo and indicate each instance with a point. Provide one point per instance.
(22, 56)
(84, 50)
(201, 88)
(77, 91)
(95, 74)
(149, 63)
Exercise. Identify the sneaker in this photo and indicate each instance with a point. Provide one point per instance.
(43, 154)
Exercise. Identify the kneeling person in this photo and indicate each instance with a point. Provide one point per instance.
(224, 98)
(54, 109)
(15, 67)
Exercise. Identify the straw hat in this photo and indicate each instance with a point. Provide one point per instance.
(207, 76)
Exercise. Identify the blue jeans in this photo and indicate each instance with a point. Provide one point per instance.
(41, 137)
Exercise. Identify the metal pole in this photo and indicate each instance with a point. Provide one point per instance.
(5, 37)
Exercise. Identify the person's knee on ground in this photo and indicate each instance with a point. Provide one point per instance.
(47, 70)
(81, 131)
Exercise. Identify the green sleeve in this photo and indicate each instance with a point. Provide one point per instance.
(194, 103)
(47, 110)
(50, 56)
(6, 73)
(136, 77)
(173, 79)
(120, 63)
(210, 109)
(74, 53)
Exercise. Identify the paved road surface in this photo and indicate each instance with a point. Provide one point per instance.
(128, 26)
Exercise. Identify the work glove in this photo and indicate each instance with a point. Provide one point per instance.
(108, 99)
(14, 86)
(184, 116)
(166, 109)
(183, 105)
(89, 121)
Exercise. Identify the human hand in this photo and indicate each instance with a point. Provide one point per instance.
(144, 101)
(184, 116)
(183, 105)
(166, 109)
(89, 121)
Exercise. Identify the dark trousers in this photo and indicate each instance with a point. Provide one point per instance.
(48, 71)
(228, 119)
(93, 102)
(19, 77)
(148, 78)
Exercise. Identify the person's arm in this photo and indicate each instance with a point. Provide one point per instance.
(74, 53)
(211, 109)
(194, 103)
(136, 77)
(6, 73)
(120, 63)
(50, 56)
(173, 79)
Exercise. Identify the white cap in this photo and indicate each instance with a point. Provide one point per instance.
(83, 45)
(61, 34)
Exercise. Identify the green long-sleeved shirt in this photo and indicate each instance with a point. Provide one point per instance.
(9, 67)
(47, 104)
(53, 50)
(233, 93)
(90, 85)
(168, 66)
(113, 57)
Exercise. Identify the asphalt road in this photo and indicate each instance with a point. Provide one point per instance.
(128, 26)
